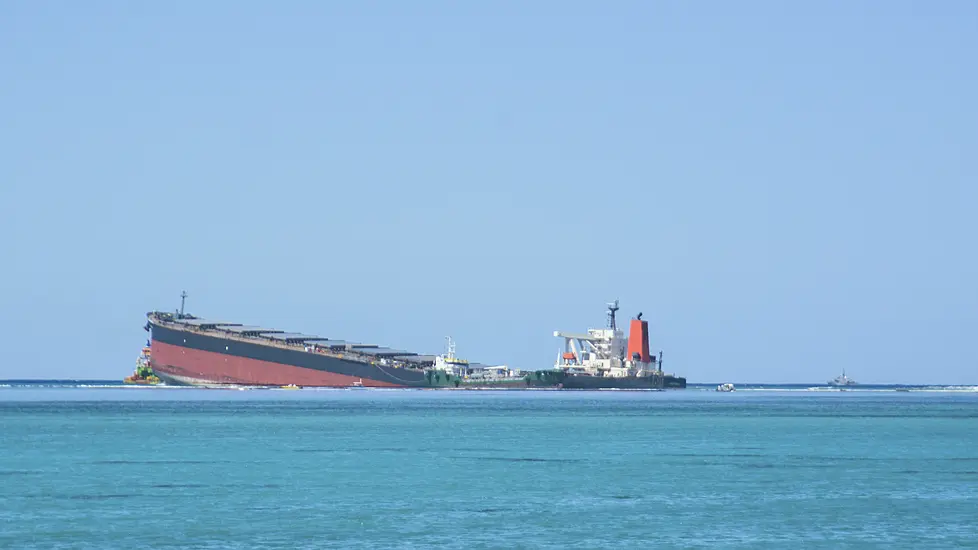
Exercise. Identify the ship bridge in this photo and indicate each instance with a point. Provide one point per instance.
(607, 351)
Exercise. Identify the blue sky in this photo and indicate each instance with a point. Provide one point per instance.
(783, 189)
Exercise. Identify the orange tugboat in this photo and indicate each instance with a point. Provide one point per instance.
(143, 375)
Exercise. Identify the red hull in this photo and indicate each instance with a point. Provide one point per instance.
(205, 367)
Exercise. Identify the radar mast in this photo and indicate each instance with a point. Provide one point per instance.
(612, 309)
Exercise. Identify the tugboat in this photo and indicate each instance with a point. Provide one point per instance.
(842, 380)
(143, 375)
(465, 375)
(605, 359)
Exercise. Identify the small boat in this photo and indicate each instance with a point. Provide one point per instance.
(358, 384)
(143, 375)
(725, 387)
(291, 387)
(842, 380)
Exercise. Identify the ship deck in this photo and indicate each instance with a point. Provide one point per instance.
(351, 351)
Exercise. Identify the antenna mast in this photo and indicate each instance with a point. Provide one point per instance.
(183, 300)
(451, 348)
(612, 308)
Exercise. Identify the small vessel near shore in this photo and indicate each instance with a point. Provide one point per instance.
(728, 387)
(842, 380)
(143, 375)
(469, 375)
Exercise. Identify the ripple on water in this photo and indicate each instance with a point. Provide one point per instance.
(459, 471)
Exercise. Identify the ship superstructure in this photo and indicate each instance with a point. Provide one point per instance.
(606, 351)
(475, 373)
(606, 358)
(449, 362)
(842, 380)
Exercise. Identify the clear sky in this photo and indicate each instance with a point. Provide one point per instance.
(784, 189)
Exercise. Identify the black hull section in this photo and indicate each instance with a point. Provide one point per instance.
(583, 382)
(675, 382)
(295, 357)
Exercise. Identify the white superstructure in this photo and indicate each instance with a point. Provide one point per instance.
(842, 380)
(449, 363)
(453, 365)
(605, 352)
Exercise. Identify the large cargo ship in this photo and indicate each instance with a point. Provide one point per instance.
(187, 350)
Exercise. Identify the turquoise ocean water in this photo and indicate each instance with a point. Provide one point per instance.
(97, 467)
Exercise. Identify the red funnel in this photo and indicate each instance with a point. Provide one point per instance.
(638, 340)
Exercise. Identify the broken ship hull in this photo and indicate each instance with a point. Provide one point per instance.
(182, 353)
(186, 357)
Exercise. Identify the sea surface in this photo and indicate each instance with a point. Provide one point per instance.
(87, 465)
